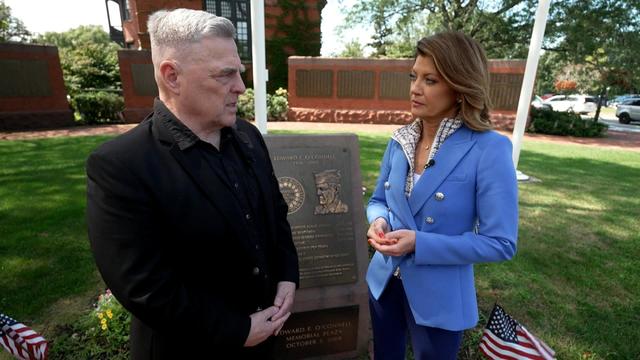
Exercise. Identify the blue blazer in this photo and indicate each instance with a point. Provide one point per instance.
(464, 210)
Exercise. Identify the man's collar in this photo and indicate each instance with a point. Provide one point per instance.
(179, 132)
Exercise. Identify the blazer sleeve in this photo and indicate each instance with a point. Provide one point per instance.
(496, 202)
(124, 237)
(286, 253)
(377, 206)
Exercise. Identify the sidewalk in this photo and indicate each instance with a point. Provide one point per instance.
(614, 139)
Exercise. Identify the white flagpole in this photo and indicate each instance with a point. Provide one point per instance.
(260, 74)
(529, 78)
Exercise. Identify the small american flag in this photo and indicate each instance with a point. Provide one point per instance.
(20, 341)
(505, 338)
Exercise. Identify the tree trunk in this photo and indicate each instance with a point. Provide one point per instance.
(602, 92)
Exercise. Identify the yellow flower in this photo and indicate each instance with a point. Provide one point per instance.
(109, 314)
(103, 321)
(104, 326)
(100, 316)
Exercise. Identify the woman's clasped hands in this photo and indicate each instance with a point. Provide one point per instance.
(392, 243)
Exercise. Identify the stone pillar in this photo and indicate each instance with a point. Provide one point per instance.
(33, 93)
(138, 84)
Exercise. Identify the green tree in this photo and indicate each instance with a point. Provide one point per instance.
(11, 28)
(352, 49)
(598, 39)
(88, 57)
(549, 67)
(601, 37)
(503, 27)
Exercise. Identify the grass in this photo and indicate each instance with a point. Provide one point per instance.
(574, 282)
(608, 111)
(44, 251)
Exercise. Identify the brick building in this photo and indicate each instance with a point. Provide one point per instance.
(292, 27)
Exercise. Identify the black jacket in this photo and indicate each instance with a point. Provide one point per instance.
(170, 241)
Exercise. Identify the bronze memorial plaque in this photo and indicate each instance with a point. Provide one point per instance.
(319, 332)
(315, 183)
(319, 177)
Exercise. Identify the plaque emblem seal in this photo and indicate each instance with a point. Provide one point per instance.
(292, 192)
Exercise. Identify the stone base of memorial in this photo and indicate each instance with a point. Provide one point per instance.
(319, 177)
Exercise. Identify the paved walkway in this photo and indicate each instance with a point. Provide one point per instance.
(615, 139)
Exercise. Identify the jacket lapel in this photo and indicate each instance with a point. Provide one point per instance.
(207, 180)
(397, 199)
(449, 155)
(247, 149)
(247, 152)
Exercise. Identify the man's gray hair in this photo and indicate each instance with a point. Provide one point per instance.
(180, 27)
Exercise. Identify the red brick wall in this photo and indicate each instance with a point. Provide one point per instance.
(374, 110)
(24, 112)
(336, 64)
(147, 7)
(136, 107)
(131, 26)
(273, 12)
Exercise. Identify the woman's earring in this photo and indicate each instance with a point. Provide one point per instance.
(459, 100)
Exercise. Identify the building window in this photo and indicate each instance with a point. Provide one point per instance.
(126, 13)
(238, 12)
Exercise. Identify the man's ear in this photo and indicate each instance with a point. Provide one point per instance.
(169, 71)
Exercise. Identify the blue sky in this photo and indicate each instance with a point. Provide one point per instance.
(46, 15)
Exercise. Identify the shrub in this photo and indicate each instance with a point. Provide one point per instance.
(98, 107)
(563, 123)
(277, 105)
(246, 105)
(103, 333)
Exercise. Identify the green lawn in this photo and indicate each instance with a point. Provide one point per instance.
(574, 282)
(608, 111)
(44, 251)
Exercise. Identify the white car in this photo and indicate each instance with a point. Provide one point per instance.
(539, 104)
(628, 110)
(581, 104)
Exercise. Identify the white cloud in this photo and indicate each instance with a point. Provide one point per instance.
(332, 17)
(40, 16)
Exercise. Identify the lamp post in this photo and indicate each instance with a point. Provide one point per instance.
(527, 83)
(260, 72)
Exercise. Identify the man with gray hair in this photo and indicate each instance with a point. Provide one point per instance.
(186, 221)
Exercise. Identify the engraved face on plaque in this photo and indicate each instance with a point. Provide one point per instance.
(328, 191)
(312, 180)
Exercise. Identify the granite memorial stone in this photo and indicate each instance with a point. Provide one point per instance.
(319, 177)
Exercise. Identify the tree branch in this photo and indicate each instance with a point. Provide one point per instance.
(507, 6)
(445, 14)
(554, 49)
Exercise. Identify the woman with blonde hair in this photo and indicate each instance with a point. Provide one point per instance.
(446, 198)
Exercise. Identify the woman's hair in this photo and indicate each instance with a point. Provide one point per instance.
(180, 28)
(462, 63)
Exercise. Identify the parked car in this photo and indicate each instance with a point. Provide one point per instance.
(581, 104)
(539, 104)
(628, 110)
(622, 98)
